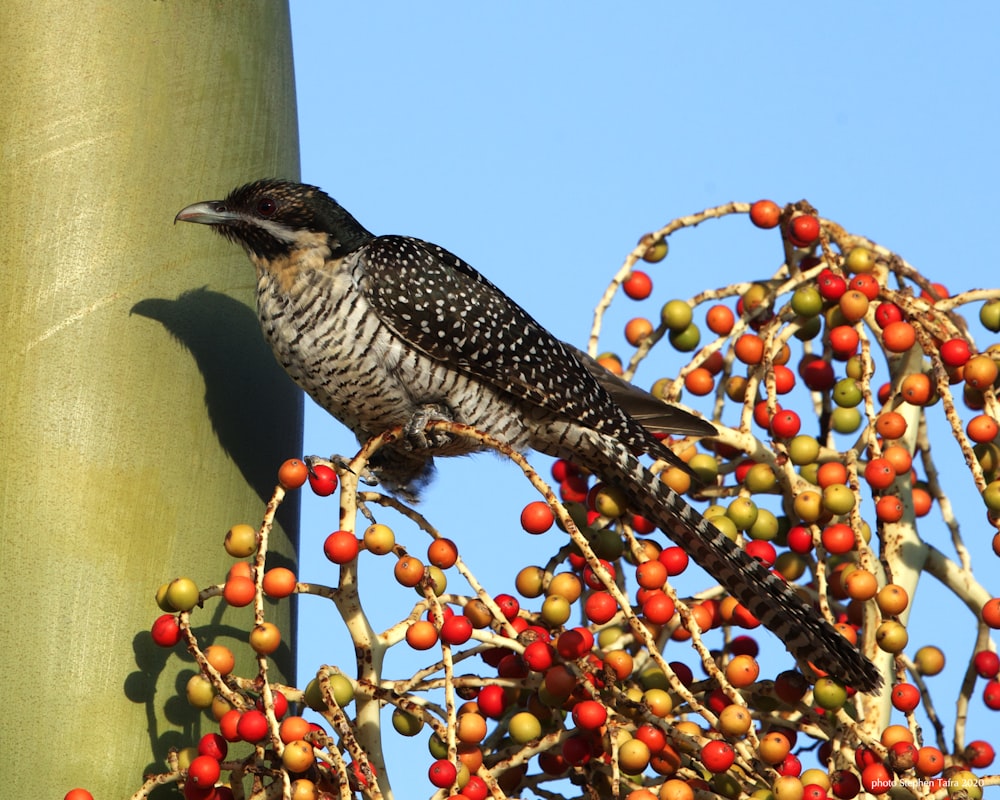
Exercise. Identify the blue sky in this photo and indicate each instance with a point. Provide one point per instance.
(539, 141)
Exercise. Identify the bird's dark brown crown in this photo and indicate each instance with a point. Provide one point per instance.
(270, 217)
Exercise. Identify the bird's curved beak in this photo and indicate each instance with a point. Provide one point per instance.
(210, 212)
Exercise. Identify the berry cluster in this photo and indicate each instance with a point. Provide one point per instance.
(603, 673)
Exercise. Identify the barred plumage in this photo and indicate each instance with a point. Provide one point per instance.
(389, 330)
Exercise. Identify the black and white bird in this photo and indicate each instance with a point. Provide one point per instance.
(386, 331)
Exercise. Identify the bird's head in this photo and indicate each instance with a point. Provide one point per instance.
(272, 218)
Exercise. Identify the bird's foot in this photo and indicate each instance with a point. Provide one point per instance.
(342, 464)
(415, 434)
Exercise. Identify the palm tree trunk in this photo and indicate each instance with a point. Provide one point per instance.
(141, 413)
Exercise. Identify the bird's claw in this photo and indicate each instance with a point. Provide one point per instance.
(342, 464)
(415, 433)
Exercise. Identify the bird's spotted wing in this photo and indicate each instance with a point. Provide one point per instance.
(445, 308)
(649, 411)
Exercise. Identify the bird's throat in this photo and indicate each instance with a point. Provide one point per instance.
(311, 252)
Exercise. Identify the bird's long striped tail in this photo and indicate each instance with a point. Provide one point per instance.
(806, 634)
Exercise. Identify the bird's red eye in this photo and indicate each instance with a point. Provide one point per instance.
(266, 207)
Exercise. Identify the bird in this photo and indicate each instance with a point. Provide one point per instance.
(388, 331)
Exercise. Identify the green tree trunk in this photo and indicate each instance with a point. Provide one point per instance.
(142, 413)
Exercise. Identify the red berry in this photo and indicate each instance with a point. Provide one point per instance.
(638, 285)
(790, 765)
(341, 547)
(879, 473)
(204, 771)
(592, 580)
(716, 700)
(760, 414)
(475, 789)
(539, 656)
(803, 230)
(979, 754)
(987, 663)
(763, 551)
(718, 756)
(589, 714)
(658, 607)
(537, 517)
(600, 607)
(674, 559)
(508, 605)
(742, 469)
(887, 313)
(456, 630)
(817, 374)
(577, 750)
(744, 645)
(442, 773)
(322, 480)
(784, 379)
(790, 686)
(642, 526)
(252, 726)
(800, 539)
(574, 643)
(955, 352)
(838, 538)
(845, 784)
(683, 672)
(905, 697)
(844, 341)
(166, 630)
(278, 699)
(214, 745)
(492, 701)
(864, 757)
(865, 284)
(786, 424)
(813, 791)
(831, 285)
(991, 695)
(193, 791)
(228, 725)
(875, 778)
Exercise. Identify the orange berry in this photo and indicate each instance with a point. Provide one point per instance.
(742, 671)
(899, 336)
(861, 584)
(892, 599)
(239, 591)
(699, 381)
(899, 457)
(765, 214)
(916, 389)
(279, 582)
(889, 508)
(442, 553)
(637, 329)
(890, 425)
(409, 571)
(720, 320)
(749, 348)
(982, 428)
(292, 474)
(980, 372)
